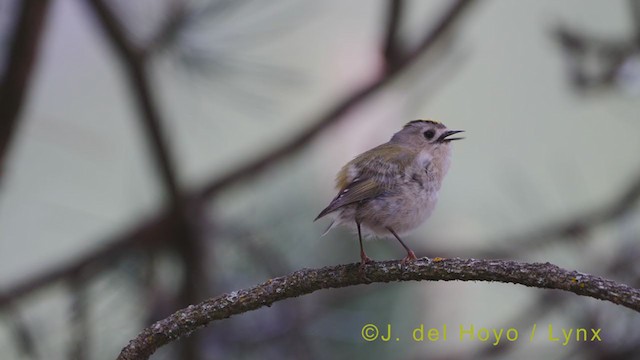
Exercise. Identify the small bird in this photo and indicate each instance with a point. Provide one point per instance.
(393, 188)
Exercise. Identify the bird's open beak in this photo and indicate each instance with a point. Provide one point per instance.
(445, 136)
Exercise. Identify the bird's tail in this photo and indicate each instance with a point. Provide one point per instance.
(331, 226)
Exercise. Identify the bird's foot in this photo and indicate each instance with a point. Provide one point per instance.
(411, 257)
(364, 260)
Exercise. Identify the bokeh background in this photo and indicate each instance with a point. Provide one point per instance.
(157, 153)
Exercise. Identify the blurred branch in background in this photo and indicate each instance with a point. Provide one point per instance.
(175, 226)
(306, 281)
(23, 336)
(176, 18)
(624, 267)
(635, 13)
(627, 334)
(183, 238)
(80, 322)
(443, 25)
(180, 16)
(575, 227)
(273, 264)
(151, 232)
(393, 48)
(595, 63)
(31, 16)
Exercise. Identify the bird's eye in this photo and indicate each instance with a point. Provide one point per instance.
(429, 134)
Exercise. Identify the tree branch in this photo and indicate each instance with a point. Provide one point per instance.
(595, 62)
(23, 47)
(306, 281)
(333, 115)
(572, 227)
(177, 18)
(392, 46)
(133, 62)
(151, 231)
(184, 238)
(180, 16)
(635, 13)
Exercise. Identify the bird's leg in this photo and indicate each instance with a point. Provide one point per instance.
(411, 256)
(364, 259)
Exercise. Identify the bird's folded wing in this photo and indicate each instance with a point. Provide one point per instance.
(361, 189)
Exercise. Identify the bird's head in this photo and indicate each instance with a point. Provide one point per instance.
(426, 135)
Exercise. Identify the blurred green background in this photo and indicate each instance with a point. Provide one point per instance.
(547, 92)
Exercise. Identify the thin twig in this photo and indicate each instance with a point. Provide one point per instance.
(306, 281)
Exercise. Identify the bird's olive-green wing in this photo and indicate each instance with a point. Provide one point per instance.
(358, 190)
(375, 170)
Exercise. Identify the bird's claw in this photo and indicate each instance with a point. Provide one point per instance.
(364, 260)
(411, 257)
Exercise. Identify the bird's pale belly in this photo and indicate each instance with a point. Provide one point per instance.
(402, 213)
(402, 210)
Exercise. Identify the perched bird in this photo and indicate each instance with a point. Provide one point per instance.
(393, 188)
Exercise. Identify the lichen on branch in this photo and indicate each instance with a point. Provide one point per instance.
(306, 281)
